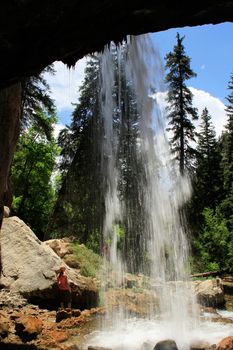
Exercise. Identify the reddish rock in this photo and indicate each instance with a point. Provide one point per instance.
(225, 344)
(52, 337)
(4, 326)
(31, 324)
(28, 327)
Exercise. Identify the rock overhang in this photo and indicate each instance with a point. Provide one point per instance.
(33, 34)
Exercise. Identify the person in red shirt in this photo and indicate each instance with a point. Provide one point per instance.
(63, 288)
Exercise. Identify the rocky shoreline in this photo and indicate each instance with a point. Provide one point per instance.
(29, 327)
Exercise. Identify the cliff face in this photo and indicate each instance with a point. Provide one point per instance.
(35, 33)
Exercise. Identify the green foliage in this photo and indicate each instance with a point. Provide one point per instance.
(207, 180)
(226, 207)
(54, 235)
(212, 244)
(68, 209)
(37, 104)
(120, 233)
(31, 171)
(93, 241)
(89, 261)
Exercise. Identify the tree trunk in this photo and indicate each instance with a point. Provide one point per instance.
(10, 111)
(209, 273)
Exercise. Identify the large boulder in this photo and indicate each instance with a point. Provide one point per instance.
(209, 293)
(29, 267)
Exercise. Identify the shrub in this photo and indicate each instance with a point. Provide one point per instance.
(89, 261)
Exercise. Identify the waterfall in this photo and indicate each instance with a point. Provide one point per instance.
(161, 190)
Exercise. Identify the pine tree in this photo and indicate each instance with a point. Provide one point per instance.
(78, 211)
(228, 142)
(37, 106)
(226, 205)
(180, 109)
(207, 179)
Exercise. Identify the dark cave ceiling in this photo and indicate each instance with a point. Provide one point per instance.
(35, 33)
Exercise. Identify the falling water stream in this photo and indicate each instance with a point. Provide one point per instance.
(163, 192)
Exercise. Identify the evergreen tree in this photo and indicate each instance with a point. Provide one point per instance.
(180, 109)
(214, 199)
(227, 161)
(228, 142)
(213, 246)
(37, 105)
(79, 208)
(207, 182)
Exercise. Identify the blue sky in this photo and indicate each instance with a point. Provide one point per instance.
(210, 48)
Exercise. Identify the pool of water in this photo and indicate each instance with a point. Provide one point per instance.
(141, 334)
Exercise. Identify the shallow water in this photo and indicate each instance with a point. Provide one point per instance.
(225, 313)
(140, 334)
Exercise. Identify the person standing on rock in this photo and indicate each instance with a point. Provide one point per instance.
(63, 288)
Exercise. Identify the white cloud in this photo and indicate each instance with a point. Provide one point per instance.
(57, 129)
(202, 66)
(65, 84)
(216, 108)
(202, 99)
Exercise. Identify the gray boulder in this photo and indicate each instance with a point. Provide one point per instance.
(167, 344)
(29, 267)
